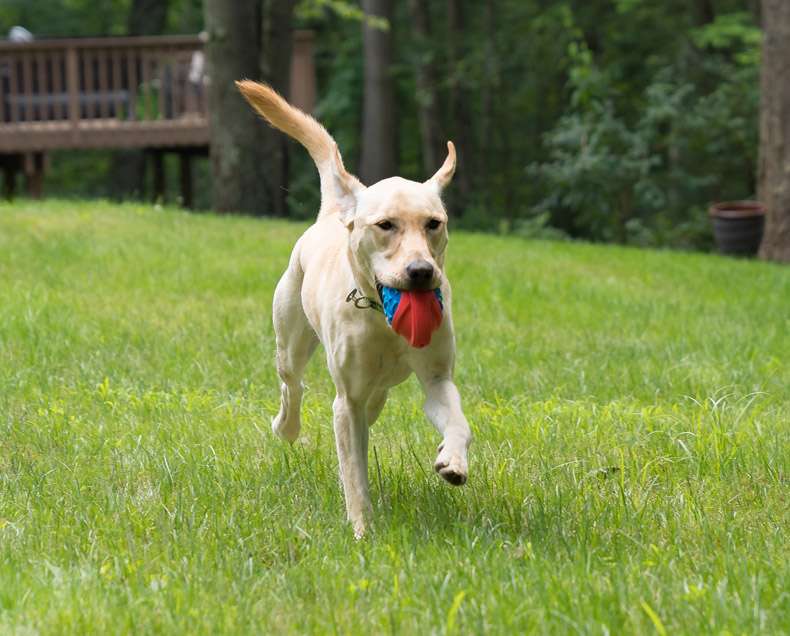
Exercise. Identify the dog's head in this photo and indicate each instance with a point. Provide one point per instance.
(398, 229)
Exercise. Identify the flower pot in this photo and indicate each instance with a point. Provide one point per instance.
(738, 226)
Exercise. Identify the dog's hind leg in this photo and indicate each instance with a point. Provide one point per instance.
(296, 342)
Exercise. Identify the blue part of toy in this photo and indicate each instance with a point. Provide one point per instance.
(390, 298)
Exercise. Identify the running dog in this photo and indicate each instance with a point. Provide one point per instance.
(392, 234)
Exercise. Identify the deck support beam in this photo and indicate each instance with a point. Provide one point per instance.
(160, 177)
(185, 165)
(35, 163)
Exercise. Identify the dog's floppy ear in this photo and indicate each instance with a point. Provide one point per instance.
(347, 187)
(444, 174)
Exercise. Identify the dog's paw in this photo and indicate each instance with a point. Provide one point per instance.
(451, 466)
(360, 530)
(285, 429)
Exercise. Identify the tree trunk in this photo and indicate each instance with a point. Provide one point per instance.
(460, 119)
(432, 143)
(275, 63)
(706, 12)
(147, 17)
(245, 176)
(774, 179)
(378, 157)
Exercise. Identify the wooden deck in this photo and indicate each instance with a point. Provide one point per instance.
(103, 133)
(140, 92)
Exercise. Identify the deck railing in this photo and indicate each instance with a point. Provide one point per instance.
(139, 91)
(132, 92)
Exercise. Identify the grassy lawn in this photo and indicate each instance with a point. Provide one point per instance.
(629, 473)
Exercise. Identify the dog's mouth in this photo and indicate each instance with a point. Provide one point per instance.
(405, 288)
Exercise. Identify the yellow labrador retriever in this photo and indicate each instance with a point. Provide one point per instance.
(393, 233)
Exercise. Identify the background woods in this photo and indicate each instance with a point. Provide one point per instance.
(615, 121)
(774, 131)
(249, 160)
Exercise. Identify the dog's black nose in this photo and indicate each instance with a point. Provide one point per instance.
(420, 273)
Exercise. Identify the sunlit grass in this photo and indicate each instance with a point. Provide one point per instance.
(631, 412)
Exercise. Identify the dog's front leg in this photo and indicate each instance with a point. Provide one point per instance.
(443, 408)
(351, 438)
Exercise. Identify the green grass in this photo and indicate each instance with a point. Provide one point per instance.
(629, 474)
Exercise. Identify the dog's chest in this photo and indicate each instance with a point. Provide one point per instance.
(372, 369)
(390, 371)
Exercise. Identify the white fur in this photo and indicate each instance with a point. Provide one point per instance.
(343, 250)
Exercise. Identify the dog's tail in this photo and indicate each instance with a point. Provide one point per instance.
(308, 132)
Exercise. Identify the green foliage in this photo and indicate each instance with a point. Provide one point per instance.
(641, 168)
(734, 32)
(629, 469)
(61, 18)
(317, 10)
(621, 120)
(535, 227)
(79, 18)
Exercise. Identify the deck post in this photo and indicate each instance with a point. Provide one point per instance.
(185, 164)
(302, 82)
(34, 174)
(73, 89)
(158, 165)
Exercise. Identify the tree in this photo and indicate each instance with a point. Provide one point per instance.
(147, 17)
(774, 180)
(379, 150)
(431, 143)
(247, 160)
(459, 103)
(275, 62)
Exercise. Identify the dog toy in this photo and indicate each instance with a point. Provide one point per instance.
(415, 315)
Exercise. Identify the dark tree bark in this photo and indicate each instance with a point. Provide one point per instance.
(774, 179)
(754, 7)
(275, 63)
(147, 17)
(246, 177)
(459, 115)
(706, 12)
(379, 151)
(431, 139)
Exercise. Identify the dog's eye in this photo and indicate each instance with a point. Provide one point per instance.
(433, 224)
(385, 225)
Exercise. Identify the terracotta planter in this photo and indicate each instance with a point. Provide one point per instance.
(738, 226)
